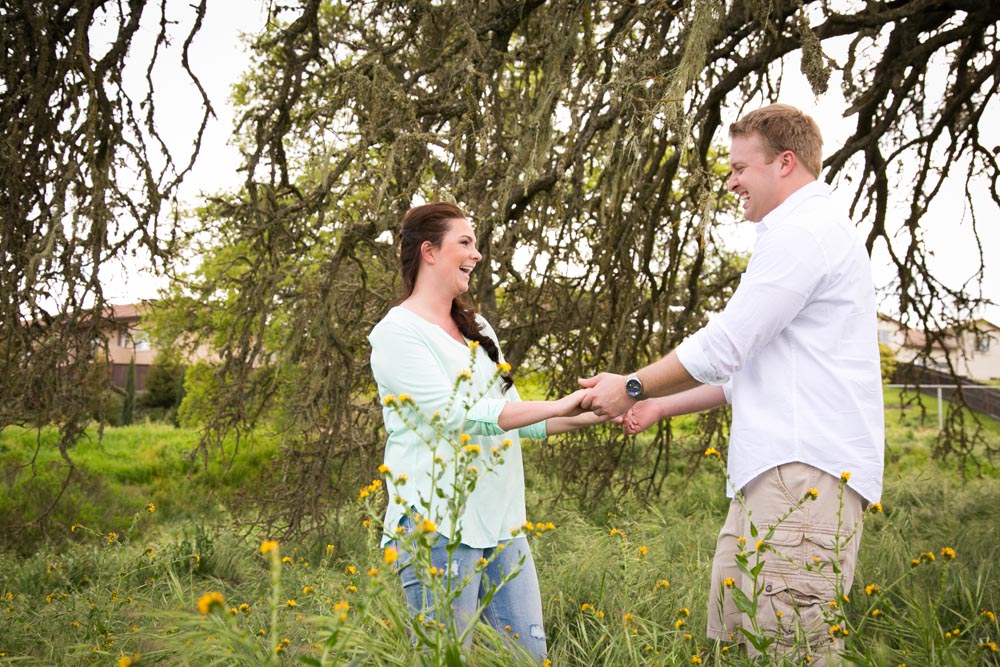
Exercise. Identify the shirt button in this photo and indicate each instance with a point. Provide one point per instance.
(768, 588)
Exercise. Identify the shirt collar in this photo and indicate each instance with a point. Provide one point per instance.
(784, 209)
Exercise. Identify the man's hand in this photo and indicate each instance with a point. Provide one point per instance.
(641, 416)
(607, 397)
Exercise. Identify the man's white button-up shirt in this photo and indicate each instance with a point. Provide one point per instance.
(796, 349)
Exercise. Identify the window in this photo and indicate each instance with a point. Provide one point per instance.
(983, 343)
(141, 340)
(134, 339)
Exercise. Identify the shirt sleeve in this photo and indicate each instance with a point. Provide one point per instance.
(786, 267)
(538, 430)
(403, 363)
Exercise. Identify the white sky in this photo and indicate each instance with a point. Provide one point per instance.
(218, 57)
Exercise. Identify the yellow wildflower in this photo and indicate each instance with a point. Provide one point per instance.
(988, 615)
(712, 451)
(643, 550)
(291, 603)
(383, 469)
(729, 582)
(872, 589)
(210, 601)
(267, 546)
(948, 553)
(845, 477)
(503, 367)
(812, 494)
(150, 508)
(390, 555)
(875, 508)
(308, 590)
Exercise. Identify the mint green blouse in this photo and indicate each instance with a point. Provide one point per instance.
(413, 357)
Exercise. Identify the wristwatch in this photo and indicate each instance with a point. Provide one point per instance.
(633, 387)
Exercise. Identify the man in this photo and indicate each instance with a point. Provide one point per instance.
(795, 353)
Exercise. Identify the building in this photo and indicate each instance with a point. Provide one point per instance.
(975, 353)
(126, 341)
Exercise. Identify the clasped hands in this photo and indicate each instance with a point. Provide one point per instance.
(604, 396)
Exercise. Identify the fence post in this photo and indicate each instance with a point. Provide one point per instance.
(940, 410)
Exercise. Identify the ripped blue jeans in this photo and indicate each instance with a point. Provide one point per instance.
(515, 611)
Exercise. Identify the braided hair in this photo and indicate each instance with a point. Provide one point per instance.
(430, 222)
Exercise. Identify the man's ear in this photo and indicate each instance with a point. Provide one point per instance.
(428, 252)
(787, 162)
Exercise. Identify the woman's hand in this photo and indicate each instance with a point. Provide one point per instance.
(569, 406)
(640, 416)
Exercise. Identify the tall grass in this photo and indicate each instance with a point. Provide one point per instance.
(626, 588)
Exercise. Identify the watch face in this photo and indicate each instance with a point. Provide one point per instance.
(633, 388)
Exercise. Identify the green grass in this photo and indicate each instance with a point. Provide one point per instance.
(625, 588)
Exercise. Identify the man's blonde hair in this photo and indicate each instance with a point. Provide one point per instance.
(782, 127)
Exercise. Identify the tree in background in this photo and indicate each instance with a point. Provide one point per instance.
(83, 180)
(583, 138)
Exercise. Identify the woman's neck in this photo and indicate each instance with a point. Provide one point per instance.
(433, 305)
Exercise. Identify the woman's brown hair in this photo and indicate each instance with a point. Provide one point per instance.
(430, 222)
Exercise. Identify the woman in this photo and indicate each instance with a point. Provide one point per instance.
(418, 350)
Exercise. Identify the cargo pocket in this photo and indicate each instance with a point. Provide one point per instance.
(792, 609)
(786, 550)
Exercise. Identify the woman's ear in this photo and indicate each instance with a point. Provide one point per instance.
(428, 252)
